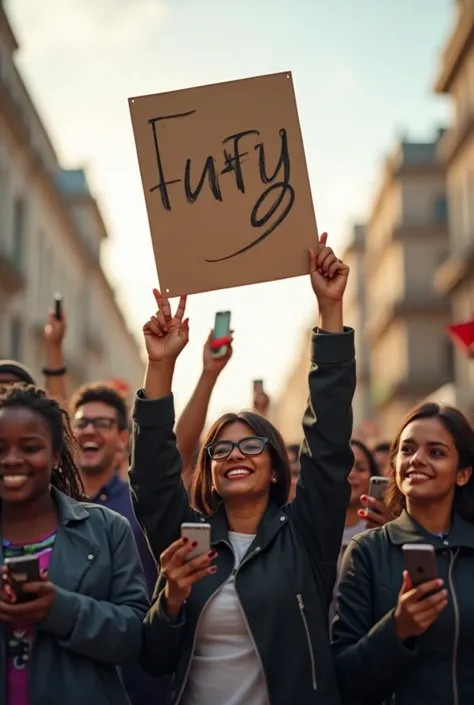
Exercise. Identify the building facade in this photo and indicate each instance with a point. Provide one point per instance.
(455, 275)
(355, 316)
(51, 232)
(406, 239)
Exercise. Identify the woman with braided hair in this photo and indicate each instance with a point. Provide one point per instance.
(63, 636)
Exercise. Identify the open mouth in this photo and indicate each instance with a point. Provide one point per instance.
(238, 473)
(417, 476)
(13, 481)
(90, 448)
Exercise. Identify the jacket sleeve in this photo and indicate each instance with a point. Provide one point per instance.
(368, 656)
(162, 640)
(160, 500)
(326, 457)
(109, 631)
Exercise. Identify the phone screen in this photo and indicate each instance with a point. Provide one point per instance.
(221, 330)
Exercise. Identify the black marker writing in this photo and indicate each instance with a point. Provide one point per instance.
(269, 202)
(258, 220)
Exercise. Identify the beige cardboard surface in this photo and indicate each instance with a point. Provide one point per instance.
(225, 182)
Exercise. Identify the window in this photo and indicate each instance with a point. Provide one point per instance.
(19, 232)
(441, 210)
(15, 339)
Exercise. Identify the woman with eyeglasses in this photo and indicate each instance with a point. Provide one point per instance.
(247, 623)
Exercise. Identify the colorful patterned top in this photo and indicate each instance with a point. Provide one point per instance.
(20, 633)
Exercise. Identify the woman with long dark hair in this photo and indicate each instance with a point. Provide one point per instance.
(247, 623)
(63, 636)
(394, 642)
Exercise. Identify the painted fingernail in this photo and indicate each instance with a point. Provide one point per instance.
(213, 569)
(363, 497)
(361, 512)
(194, 544)
(185, 539)
(212, 554)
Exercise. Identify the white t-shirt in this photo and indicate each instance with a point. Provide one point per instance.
(225, 668)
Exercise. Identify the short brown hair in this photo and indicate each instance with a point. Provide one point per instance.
(462, 433)
(101, 392)
(201, 494)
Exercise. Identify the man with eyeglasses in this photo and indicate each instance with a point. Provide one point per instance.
(99, 420)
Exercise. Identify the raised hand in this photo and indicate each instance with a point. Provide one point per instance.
(214, 365)
(328, 274)
(166, 335)
(418, 607)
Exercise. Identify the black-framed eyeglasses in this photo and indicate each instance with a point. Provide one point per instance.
(253, 445)
(98, 423)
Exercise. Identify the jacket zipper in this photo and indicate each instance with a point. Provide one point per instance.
(308, 638)
(234, 574)
(452, 560)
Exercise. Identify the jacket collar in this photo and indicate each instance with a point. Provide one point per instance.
(69, 510)
(273, 519)
(405, 529)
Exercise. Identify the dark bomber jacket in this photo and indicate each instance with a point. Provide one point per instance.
(373, 666)
(286, 579)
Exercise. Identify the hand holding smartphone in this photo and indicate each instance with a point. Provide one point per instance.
(221, 333)
(200, 534)
(377, 488)
(21, 570)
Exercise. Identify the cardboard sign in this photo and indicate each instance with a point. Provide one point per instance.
(226, 185)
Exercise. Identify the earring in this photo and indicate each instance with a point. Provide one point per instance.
(274, 480)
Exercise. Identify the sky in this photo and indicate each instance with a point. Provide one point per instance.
(363, 74)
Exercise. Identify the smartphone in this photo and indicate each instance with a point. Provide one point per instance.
(58, 305)
(258, 386)
(377, 487)
(21, 570)
(420, 562)
(199, 533)
(221, 330)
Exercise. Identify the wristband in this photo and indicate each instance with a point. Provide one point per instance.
(48, 372)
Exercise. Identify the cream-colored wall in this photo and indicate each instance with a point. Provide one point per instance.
(54, 259)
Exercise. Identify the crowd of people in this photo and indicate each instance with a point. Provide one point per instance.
(303, 595)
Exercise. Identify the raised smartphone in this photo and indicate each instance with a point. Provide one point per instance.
(201, 534)
(58, 305)
(221, 330)
(420, 562)
(21, 570)
(377, 487)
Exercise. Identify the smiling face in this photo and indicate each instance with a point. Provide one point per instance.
(241, 473)
(100, 440)
(26, 455)
(427, 463)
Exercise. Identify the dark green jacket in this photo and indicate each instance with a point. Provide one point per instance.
(286, 579)
(95, 622)
(373, 666)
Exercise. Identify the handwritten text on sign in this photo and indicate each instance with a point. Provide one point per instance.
(225, 183)
(263, 210)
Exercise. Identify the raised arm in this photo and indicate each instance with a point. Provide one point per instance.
(191, 423)
(160, 500)
(326, 457)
